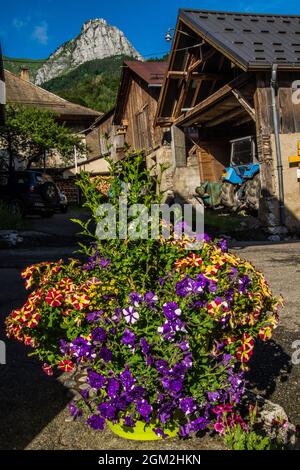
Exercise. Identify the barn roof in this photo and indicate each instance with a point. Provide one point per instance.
(151, 72)
(23, 92)
(255, 41)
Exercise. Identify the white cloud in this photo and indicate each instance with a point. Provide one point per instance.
(19, 23)
(40, 33)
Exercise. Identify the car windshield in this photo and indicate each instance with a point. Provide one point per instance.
(242, 153)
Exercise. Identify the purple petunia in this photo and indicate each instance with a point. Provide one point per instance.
(128, 338)
(144, 409)
(150, 298)
(107, 410)
(105, 354)
(162, 366)
(213, 396)
(74, 410)
(80, 348)
(135, 298)
(199, 424)
(131, 316)
(127, 379)
(113, 388)
(145, 347)
(94, 316)
(117, 315)
(171, 310)
(99, 335)
(96, 380)
(64, 347)
(187, 406)
(244, 283)
(104, 263)
(223, 245)
(129, 421)
(186, 430)
(160, 432)
(96, 422)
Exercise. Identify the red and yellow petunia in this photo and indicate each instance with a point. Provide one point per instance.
(80, 301)
(54, 298)
(34, 321)
(66, 365)
(265, 333)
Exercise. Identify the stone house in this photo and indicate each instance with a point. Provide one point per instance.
(79, 119)
(227, 72)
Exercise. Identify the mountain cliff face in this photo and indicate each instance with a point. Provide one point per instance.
(96, 40)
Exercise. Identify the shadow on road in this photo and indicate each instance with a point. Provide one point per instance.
(29, 399)
(269, 365)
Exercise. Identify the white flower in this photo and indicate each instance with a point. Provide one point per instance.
(131, 316)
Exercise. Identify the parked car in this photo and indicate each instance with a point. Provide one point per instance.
(31, 192)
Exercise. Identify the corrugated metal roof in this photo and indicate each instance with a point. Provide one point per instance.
(255, 41)
(151, 72)
(20, 91)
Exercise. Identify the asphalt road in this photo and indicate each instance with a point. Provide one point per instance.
(34, 407)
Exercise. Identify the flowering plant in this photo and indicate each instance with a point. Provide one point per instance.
(165, 334)
(176, 353)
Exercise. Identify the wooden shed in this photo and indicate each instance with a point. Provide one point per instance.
(135, 111)
(223, 70)
(137, 103)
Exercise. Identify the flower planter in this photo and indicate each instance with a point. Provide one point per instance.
(141, 431)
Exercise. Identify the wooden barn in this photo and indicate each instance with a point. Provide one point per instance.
(135, 111)
(233, 75)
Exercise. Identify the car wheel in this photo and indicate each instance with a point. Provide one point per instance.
(50, 193)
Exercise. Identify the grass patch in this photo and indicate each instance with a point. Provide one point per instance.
(9, 221)
(225, 223)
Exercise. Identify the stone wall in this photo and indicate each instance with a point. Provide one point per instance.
(289, 148)
(186, 180)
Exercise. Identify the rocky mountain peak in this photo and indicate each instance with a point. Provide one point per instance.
(96, 40)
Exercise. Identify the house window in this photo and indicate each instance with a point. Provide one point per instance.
(143, 130)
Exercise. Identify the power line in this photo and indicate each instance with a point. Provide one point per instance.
(63, 62)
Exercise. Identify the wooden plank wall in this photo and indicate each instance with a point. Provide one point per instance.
(213, 158)
(141, 97)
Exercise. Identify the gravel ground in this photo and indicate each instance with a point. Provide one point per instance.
(33, 406)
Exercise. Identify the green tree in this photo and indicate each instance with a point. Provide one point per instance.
(29, 133)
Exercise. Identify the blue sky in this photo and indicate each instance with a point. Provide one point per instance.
(35, 28)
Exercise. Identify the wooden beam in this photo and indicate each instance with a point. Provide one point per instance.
(204, 58)
(210, 76)
(243, 101)
(213, 99)
(225, 117)
(242, 121)
(165, 121)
